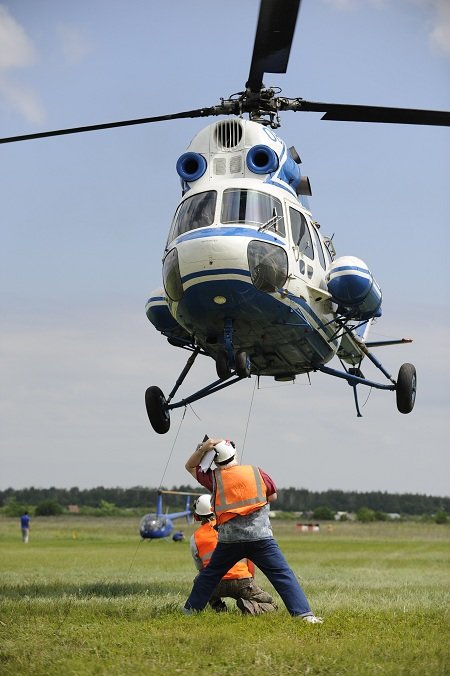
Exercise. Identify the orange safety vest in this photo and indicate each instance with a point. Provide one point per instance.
(238, 490)
(206, 540)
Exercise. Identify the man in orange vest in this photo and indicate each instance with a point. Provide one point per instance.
(238, 582)
(240, 496)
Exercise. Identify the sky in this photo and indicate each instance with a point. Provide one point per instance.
(84, 221)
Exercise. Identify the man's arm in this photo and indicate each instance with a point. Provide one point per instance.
(194, 461)
(194, 551)
(271, 489)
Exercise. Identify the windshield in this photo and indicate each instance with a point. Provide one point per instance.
(252, 208)
(195, 212)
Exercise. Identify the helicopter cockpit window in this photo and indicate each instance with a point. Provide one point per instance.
(252, 208)
(268, 265)
(195, 212)
(301, 235)
(171, 276)
(319, 247)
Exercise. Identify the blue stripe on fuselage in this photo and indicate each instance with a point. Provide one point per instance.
(227, 231)
(227, 271)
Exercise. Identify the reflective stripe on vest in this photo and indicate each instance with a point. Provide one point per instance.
(232, 485)
(206, 540)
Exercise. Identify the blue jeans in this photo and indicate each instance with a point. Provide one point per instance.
(267, 556)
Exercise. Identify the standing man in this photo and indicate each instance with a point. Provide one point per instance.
(241, 495)
(25, 527)
(238, 583)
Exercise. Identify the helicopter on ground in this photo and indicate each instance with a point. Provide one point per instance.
(160, 525)
(249, 279)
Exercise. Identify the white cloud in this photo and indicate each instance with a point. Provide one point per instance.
(17, 51)
(75, 46)
(22, 98)
(437, 24)
(440, 32)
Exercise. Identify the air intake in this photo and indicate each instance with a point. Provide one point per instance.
(228, 134)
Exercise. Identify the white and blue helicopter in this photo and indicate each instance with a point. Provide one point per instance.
(249, 279)
(159, 525)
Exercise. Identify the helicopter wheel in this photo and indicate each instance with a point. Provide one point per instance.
(406, 388)
(222, 367)
(157, 410)
(242, 364)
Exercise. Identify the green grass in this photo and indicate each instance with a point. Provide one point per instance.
(86, 596)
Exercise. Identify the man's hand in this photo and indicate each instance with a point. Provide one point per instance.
(193, 462)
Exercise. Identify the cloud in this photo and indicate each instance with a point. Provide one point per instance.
(440, 32)
(22, 98)
(17, 51)
(437, 24)
(75, 46)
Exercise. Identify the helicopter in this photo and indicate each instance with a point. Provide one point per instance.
(249, 279)
(160, 525)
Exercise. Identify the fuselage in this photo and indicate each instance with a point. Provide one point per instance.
(244, 260)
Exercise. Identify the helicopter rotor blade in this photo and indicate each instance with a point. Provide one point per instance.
(356, 113)
(199, 112)
(273, 40)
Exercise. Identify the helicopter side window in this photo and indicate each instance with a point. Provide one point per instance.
(252, 208)
(301, 235)
(195, 212)
(319, 247)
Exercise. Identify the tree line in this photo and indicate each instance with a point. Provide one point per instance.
(289, 499)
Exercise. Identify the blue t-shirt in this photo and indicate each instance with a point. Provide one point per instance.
(24, 521)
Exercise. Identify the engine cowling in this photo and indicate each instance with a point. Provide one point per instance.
(354, 288)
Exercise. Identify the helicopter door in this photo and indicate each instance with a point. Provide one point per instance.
(302, 243)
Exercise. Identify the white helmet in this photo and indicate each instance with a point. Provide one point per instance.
(202, 506)
(225, 452)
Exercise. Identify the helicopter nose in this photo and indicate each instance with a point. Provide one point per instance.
(210, 251)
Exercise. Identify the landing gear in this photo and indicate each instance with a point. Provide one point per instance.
(227, 359)
(406, 388)
(157, 410)
(242, 364)
(222, 368)
(158, 406)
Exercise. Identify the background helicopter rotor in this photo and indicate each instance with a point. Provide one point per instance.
(272, 46)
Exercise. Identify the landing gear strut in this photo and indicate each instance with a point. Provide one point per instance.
(158, 407)
(227, 359)
(404, 387)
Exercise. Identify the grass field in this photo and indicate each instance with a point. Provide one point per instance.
(87, 596)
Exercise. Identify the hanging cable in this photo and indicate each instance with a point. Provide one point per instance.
(171, 450)
(132, 560)
(248, 418)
